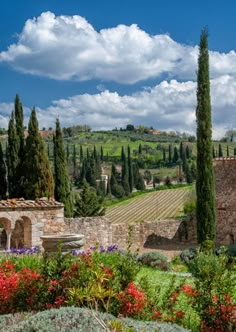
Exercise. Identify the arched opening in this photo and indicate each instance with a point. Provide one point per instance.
(17, 238)
(27, 232)
(5, 233)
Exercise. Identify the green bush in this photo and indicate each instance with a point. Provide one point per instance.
(82, 320)
(154, 259)
(188, 254)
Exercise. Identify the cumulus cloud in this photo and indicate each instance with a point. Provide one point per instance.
(69, 48)
(166, 106)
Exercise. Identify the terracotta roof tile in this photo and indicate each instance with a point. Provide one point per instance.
(21, 203)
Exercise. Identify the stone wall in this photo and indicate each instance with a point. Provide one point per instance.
(148, 234)
(225, 188)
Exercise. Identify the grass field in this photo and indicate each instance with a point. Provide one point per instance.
(163, 204)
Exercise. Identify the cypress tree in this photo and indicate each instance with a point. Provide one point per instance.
(3, 175)
(170, 153)
(181, 150)
(122, 155)
(67, 152)
(102, 156)
(74, 162)
(176, 155)
(37, 179)
(234, 151)
(164, 154)
(140, 149)
(220, 153)
(125, 176)
(188, 152)
(205, 207)
(130, 167)
(62, 190)
(12, 157)
(19, 118)
(81, 155)
(213, 152)
(227, 151)
(19, 121)
(87, 203)
(108, 186)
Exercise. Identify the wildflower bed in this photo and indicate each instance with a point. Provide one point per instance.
(117, 283)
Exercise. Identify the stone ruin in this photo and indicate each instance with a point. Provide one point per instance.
(22, 222)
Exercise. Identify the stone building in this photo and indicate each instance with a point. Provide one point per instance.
(22, 222)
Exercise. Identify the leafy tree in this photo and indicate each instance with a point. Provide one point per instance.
(205, 207)
(37, 179)
(62, 189)
(3, 175)
(117, 190)
(130, 127)
(87, 203)
(140, 185)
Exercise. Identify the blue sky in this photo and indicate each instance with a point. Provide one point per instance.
(109, 63)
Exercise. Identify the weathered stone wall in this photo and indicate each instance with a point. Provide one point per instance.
(225, 188)
(96, 229)
(148, 234)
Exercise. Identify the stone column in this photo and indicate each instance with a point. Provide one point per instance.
(9, 233)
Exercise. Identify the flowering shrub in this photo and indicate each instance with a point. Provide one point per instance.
(8, 286)
(132, 301)
(25, 251)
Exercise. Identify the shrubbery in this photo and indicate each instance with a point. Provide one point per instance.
(154, 259)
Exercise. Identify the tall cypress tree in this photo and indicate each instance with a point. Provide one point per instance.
(38, 178)
(74, 156)
(125, 176)
(205, 207)
(62, 190)
(81, 155)
(164, 154)
(12, 157)
(181, 150)
(227, 151)
(170, 153)
(3, 175)
(220, 153)
(176, 155)
(130, 167)
(19, 118)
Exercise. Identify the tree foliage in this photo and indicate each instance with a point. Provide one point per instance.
(37, 179)
(205, 208)
(62, 190)
(87, 203)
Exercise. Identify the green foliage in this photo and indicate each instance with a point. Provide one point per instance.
(80, 320)
(3, 175)
(37, 179)
(117, 190)
(154, 259)
(87, 203)
(205, 210)
(139, 184)
(12, 157)
(62, 189)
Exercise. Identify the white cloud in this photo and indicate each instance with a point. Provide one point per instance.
(166, 106)
(69, 48)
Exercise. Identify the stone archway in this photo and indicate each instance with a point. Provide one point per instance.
(5, 230)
